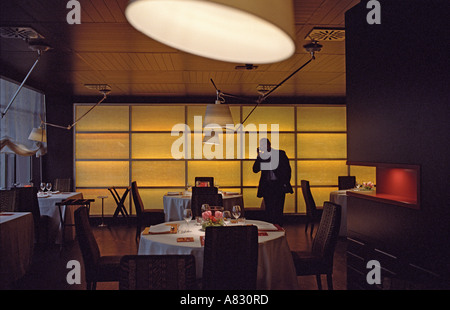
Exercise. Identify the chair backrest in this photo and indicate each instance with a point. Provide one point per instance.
(7, 200)
(198, 199)
(62, 185)
(346, 182)
(311, 208)
(27, 201)
(325, 240)
(230, 258)
(157, 272)
(210, 180)
(88, 244)
(138, 204)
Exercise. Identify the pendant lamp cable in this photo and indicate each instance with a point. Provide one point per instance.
(262, 97)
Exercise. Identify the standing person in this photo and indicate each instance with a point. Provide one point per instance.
(275, 178)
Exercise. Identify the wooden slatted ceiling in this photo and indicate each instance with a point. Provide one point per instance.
(104, 48)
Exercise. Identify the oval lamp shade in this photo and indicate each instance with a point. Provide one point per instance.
(240, 31)
(217, 116)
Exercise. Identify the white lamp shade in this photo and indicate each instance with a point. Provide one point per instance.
(240, 31)
(217, 116)
(38, 134)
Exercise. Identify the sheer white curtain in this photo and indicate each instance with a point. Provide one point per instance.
(23, 115)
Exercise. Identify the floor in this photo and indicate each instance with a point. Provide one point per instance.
(49, 268)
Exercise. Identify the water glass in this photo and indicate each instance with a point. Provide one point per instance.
(187, 214)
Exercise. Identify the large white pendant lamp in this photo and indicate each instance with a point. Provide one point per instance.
(240, 31)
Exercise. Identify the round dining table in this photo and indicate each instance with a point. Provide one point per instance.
(276, 270)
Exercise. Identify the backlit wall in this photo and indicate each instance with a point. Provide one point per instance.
(117, 144)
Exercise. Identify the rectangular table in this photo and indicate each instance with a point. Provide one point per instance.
(16, 246)
(47, 207)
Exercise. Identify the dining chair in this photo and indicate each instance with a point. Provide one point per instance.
(7, 200)
(205, 179)
(313, 214)
(27, 201)
(157, 272)
(346, 182)
(199, 198)
(319, 260)
(230, 260)
(62, 185)
(144, 217)
(97, 268)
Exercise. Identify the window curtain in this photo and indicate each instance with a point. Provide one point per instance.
(24, 114)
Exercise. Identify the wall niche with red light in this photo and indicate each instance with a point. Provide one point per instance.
(396, 184)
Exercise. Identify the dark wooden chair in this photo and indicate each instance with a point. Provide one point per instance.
(97, 268)
(313, 214)
(319, 260)
(157, 272)
(230, 258)
(204, 195)
(62, 185)
(144, 217)
(205, 179)
(27, 201)
(7, 200)
(346, 182)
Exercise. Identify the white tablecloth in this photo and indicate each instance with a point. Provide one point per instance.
(48, 207)
(340, 198)
(276, 270)
(174, 205)
(16, 246)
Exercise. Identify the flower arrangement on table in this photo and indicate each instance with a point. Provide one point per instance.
(210, 219)
(367, 186)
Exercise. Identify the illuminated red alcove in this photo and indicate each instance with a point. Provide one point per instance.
(395, 184)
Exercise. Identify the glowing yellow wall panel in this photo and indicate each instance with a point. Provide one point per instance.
(102, 146)
(152, 145)
(363, 173)
(249, 178)
(320, 195)
(314, 145)
(321, 118)
(320, 172)
(225, 173)
(286, 142)
(283, 116)
(158, 173)
(227, 149)
(103, 118)
(156, 118)
(101, 173)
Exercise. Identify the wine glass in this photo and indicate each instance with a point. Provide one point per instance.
(42, 186)
(226, 217)
(236, 211)
(48, 186)
(187, 214)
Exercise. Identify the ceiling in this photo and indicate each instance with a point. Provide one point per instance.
(105, 49)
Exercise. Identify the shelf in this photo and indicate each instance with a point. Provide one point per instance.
(385, 198)
(396, 184)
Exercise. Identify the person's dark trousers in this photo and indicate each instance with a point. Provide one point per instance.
(274, 207)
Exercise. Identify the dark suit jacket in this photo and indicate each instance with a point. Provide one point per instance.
(282, 173)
